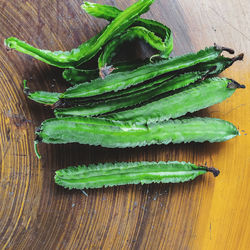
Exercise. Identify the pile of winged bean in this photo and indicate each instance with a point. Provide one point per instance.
(120, 104)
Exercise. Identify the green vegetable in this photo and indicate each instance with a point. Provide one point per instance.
(190, 99)
(88, 49)
(118, 81)
(216, 66)
(112, 174)
(101, 11)
(47, 98)
(135, 98)
(116, 134)
(134, 95)
(50, 98)
(211, 68)
(135, 32)
(77, 76)
(109, 13)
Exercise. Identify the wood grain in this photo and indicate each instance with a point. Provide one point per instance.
(36, 214)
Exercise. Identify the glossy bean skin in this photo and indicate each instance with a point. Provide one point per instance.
(134, 98)
(117, 134)
(88, 49)
(213, 67)
(123, 173)
(44, 97)
(190, 99)
(119, 81)
(207, 69)
(77, 76)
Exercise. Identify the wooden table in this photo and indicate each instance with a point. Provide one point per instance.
(207, 213)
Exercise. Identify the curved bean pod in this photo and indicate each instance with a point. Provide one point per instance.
(132, 33)
(116, 134)
(118, 81)
(123, 173)
(135, 98)
(190, 99)
(88, 49)
(109, 13)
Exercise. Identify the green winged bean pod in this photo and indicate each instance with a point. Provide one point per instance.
(216, 66)
(88, 49)
(109, 13)
(207, 69)
(212, 68)
(190, 99)
(135, 98)
(123, 80)
(117, 134)
(123, 173)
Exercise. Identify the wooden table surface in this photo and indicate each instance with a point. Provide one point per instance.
(207, 213)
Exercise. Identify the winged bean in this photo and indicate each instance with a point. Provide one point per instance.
(123, 173)
(135, 98)
(190, 99)
(88, 49)
(109, 13)
(117, 134)
(118, 81)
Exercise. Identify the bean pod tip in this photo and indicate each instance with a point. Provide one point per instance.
(213, 170)
(232, 84)
(36, 150)
(26, 89)
(239, 57)
(222, 48)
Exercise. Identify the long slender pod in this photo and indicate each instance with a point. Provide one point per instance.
(123, 173)
(50, 98)
(211, 68)
(135, 98)
(109, 13)
(216, 66)
(190, 99)
(116, 134)
(88, 49)
(118, 81)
